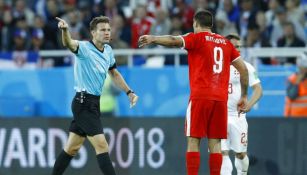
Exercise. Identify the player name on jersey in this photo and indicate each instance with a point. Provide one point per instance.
(216, 40)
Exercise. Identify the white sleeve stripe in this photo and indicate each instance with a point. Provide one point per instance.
(183, 47)
(236, 58)
(254, 83)
(188, 119)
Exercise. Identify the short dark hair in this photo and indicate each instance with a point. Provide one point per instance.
(204, 18)
(99, 19)
(232, 36)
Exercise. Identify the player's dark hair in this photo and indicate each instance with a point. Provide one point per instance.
(99, 19)
(232, 36)
(204, 18)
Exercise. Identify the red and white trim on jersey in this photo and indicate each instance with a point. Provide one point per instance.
(188, 120)
(183, 42)
(236, 59)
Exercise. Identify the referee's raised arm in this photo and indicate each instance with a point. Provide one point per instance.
(66, 37)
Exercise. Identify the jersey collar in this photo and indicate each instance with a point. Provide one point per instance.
(96, 47)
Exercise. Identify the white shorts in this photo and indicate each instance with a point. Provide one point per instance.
(236, 135)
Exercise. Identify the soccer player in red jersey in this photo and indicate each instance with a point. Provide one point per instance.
(209, 58)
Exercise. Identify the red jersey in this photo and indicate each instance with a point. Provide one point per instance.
(209, 58)
(139, 28)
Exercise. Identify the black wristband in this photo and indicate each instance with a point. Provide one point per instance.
(128, 92)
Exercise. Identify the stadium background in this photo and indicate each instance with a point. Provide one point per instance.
(36, 83)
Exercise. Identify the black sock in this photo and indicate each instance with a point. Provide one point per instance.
(61, 163)
(105, 164)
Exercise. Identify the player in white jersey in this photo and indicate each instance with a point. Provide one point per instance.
(237, 124)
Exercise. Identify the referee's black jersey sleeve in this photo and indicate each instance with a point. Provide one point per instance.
(113, 67)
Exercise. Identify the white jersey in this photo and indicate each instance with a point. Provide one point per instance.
(234, 88)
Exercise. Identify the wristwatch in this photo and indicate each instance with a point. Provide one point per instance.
(129, 91)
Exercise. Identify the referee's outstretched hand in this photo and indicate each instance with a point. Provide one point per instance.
(133, 99)
(62, 23)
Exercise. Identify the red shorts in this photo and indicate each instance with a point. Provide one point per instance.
(206, 118)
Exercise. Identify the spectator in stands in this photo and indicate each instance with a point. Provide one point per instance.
(86, 14)
(232, 11)
(290, 39)
(261, 22)
(270, 14)
(21, 23)
(247, 16)
(19, 52)
(3, 7)
(277, 28)
(141, 25)
(21, 33)
(223, 25)
(40, 25)
(48, 9)
(37, 40)
(255, 40)
(162, 24)
(117, 26)
(111, 9)
(69, 5)
(296, 99)
(261, 5)
(77, 28)
(21, 10)
(152, 5)
(177, 25)
(185, 12)
(20, 39)
(38, 43)
(39, 22)
(295, 12)
(6, 35)
(123, 31)
(205, 5)
(53, 9)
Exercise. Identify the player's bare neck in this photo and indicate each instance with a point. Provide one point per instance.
(204, 30)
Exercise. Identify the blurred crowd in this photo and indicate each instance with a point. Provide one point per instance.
(30, 25)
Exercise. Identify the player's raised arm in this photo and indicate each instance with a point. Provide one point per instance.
(66, 38)
(165, 40)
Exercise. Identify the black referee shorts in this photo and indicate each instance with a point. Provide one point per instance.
(86, 112)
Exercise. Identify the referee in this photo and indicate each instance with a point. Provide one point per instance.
(94, 59)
